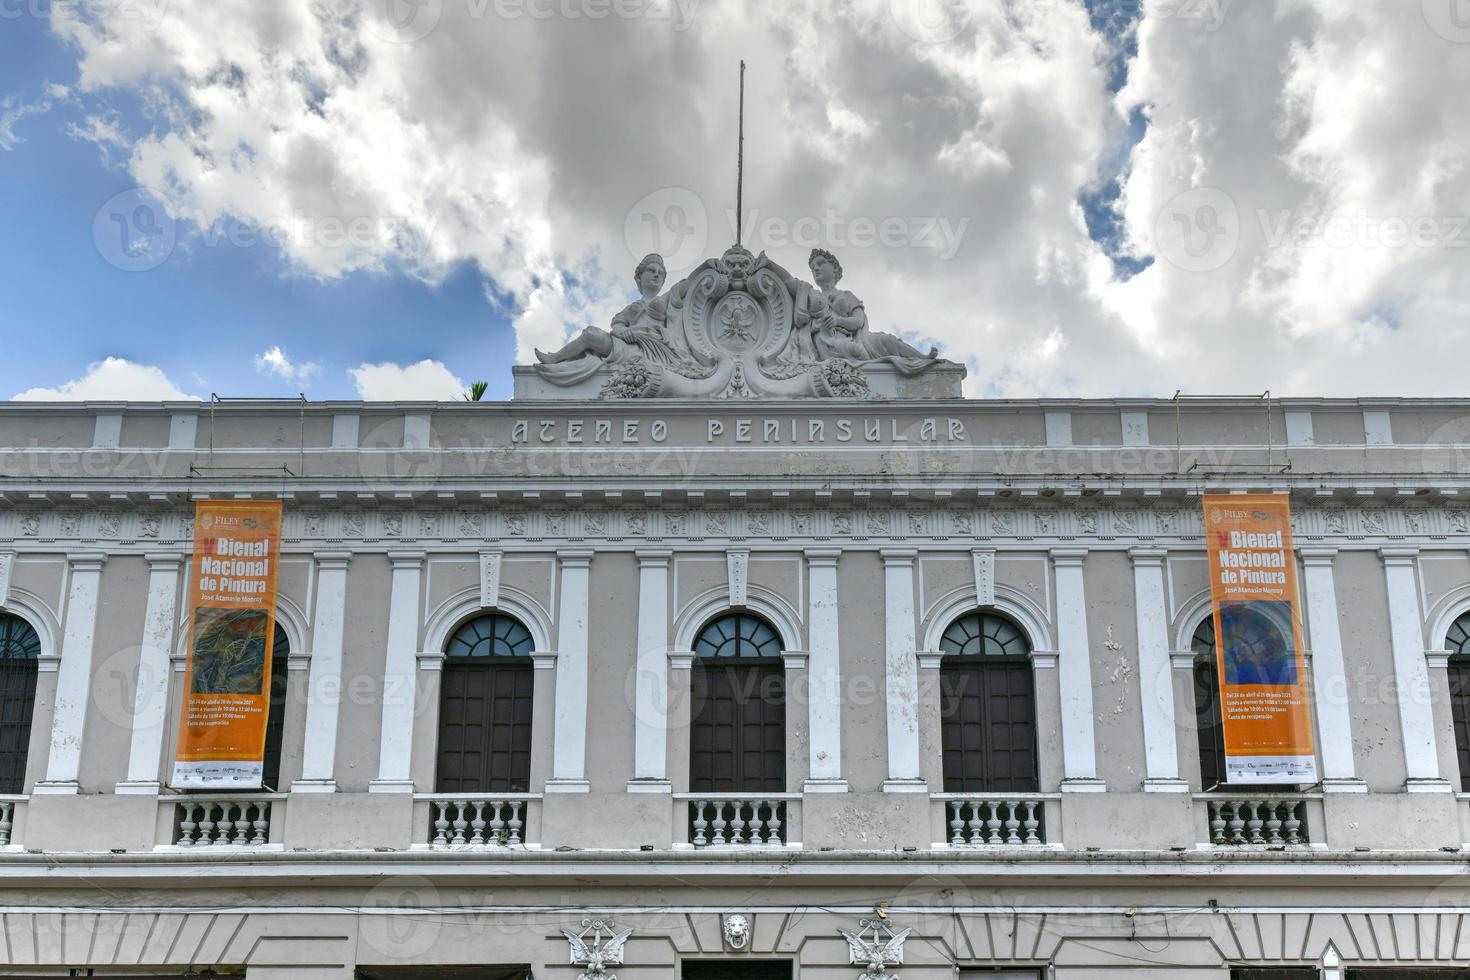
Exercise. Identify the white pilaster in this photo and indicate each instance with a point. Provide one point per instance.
(150, 695)
(1329, 675)
(1155, 674)
(569, 744)
(1074, 677)
(901, 673)
(1411, 672)
(400, 675)
(324, 682)
(824, 671)
(74, 677)
(651, 686)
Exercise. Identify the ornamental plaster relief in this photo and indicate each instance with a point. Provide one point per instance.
(988, 525)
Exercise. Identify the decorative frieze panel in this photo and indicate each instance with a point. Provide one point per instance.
(1372, 522)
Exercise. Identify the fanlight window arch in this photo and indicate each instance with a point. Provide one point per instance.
(1457, 642)
(491, 636)
(987, 706)
(737, 735)
(738, 635)
(20, 650)
(485, 700)
(1209, 725)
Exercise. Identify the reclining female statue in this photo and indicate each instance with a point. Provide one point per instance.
(638, 331)
(831, 323)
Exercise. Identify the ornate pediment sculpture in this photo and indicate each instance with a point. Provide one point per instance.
(876, 947)
(597, 947)
(741, 326)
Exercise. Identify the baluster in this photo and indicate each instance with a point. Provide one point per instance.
(1217, 822)
(717, 832)
(514, 837)
(737, 823)
(497, 823)
(206, 825)
(460, 823)
(1237, 822)
(477, 824)
(187, 826)
(993, 824)
(700, 823)
(1253, 826)
(1032, 823)
(774, 824)
(441, 825)
(956, 825)
(973, 824)
(1293, 823)
(242, 824)
(1273, 823)
(6, 809)
(1012, 824)
(262, 824)
(757, 823)
(226, 823)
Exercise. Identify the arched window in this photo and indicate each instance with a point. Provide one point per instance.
(737, 738)
(1208, 723)
(19, 649)
(987, 707)
(1458, 644)
(485, 708)
(275, 719)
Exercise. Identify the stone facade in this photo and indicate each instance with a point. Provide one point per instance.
(859, 530)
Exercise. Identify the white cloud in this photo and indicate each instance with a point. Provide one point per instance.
(113, 379)
(13, 111)
(276, 362)
(424, 381)
(361, 149)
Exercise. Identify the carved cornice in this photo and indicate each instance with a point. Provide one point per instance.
(897, 523)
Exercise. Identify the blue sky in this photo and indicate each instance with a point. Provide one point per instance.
(207, 312)
(1135, 198)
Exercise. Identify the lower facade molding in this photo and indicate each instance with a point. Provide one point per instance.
(409, 924)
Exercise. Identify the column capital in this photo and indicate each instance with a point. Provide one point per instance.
(543, 659)
(91, 561)
(575, 557)
(653, 556)
(681, 659)
(332, 559)
(1182, 659)
(1044, 659)
(1147, 556)
(1438, 658)
(899, 556)
(165, 561)
(1068, 557)
(931, 659)
(1317, 556)
(406, 558)
(1398, 556)
(822, 556)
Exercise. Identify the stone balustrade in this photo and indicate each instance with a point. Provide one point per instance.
(225, 821)
(1014, 820)
(8, 806)
(738, 819)
(478, 821)
(1260, 820)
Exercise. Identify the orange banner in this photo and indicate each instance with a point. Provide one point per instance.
(1258, 641)
(232, 624)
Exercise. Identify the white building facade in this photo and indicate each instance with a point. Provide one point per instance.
(735, 676)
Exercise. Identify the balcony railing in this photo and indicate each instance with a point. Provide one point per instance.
(1258, 820)
(1002, 820)
(243, 820)
(739, 819)
(8, 807)
(478, 821)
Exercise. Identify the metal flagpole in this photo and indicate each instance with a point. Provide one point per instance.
(740, 163)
